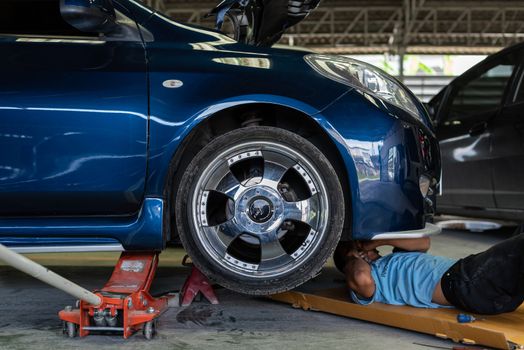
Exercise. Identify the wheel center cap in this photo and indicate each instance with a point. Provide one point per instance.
(260, 210)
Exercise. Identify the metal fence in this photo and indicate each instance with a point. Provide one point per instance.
(425, 87)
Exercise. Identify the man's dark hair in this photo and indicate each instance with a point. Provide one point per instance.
(340, 254)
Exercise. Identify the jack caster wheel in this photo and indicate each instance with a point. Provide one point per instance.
(70, 329)
(149, 330)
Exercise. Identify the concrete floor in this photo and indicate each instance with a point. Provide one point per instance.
(29, 308)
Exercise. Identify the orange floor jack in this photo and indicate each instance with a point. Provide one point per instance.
(126, 306)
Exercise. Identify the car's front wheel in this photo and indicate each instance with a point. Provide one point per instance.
(260, 210)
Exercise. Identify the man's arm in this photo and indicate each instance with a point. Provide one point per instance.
(358, 277)
(409, 244)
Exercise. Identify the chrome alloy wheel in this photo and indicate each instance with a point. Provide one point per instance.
(260, 209)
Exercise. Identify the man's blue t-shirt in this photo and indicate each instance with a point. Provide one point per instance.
(406, 279)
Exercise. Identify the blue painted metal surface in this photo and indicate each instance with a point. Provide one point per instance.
(140, 231)
(91, 128)
(73, 131)
(56, 241)
(218, 74)
(385, 151)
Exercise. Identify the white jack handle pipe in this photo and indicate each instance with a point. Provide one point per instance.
(23, 264)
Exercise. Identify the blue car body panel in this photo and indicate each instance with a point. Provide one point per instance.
(91, 134)
(141, 232)
(73, 129)
(217, 74)
(385, 153)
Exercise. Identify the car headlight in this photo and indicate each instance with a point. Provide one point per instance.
(363, 76)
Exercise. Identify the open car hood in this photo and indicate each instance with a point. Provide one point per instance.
(260, 22)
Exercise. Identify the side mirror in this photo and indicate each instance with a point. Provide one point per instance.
(92, 16)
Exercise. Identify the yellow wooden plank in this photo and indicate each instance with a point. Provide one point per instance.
(495, 331)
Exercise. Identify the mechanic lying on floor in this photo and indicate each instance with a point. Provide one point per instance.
(490, 282)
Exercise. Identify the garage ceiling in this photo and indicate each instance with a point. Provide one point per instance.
(396, 26)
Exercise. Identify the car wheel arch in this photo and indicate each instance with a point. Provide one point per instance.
(312, 127)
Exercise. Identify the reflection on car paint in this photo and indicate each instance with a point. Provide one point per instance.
(253, 62)
(460, 154)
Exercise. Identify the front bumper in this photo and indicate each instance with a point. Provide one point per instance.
(428, 230)
(385, 153)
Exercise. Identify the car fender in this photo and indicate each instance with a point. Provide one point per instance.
(167, 136)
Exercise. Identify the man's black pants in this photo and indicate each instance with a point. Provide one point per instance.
(491, 282)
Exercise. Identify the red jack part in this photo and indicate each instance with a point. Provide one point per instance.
(126, 304)
(197, 283)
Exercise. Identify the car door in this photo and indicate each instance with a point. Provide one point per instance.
(473, 101)
(508, 151)
(73, 115)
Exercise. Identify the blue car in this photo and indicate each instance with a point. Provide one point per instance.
(123, 129)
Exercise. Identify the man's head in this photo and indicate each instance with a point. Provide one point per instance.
(341, 252)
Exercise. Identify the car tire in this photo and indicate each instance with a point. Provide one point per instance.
(259, 210)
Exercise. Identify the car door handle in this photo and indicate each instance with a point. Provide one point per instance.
(478, 129)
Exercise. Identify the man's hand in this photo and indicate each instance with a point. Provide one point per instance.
(357, 251)
(370, 255)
